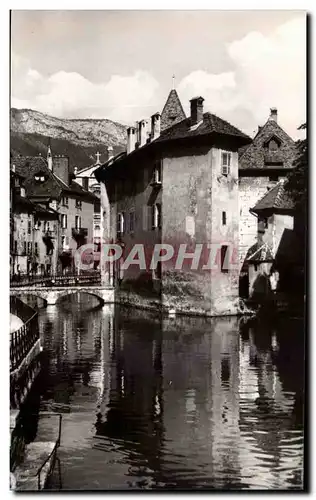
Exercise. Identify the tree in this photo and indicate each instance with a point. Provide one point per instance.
(297, 179)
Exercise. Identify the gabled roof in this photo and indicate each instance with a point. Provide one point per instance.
(260, 252)
(53, 187)
(211, 124)
(29, 166)
(275, 199)
(253, 156)
(172, 112)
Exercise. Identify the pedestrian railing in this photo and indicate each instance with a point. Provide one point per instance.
(22, 341)
(73, 279)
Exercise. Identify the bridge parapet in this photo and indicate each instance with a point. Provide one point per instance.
(52, 294)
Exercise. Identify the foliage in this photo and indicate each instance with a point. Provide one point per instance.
(297, 180)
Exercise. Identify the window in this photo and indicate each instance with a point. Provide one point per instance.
(224, 218)
(156, 216)
(273, 145)
(79, 204)
(255, 267)
(120, 223)
(24, 247)
(64, 221)
(63, 242)
(36, 248)
(29, 247)
(226, 160)
(78, 222)
(157, 271)
(15, 246)
(274, 177)
(157, 173)
(131, 221)
(29, 227)
(64, 201)
(224, 259)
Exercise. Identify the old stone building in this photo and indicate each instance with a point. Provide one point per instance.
(50, 187)
(262, 164)
(31, 224)
(86, 179)
(177, 186)
(272, 261)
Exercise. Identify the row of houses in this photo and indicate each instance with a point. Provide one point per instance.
(50, 214)
(197, 180)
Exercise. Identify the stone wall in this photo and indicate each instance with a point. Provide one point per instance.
(251, 190)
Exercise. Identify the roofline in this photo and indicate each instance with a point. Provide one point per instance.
(159, 143)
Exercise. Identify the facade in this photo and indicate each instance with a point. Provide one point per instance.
(86, 179)
(271, 261)
(268, 159)
(62, 211)
(177, 186)
(31, 224)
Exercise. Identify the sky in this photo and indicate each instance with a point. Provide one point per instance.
(119, 64)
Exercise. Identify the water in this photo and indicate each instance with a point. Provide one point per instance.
(185, 403)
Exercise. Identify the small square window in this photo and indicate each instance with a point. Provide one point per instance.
(131, 221)
(224, 218)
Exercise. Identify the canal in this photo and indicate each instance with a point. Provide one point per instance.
(177, 403)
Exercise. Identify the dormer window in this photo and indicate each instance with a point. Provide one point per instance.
(272, 144)
(40, 177)
(225, 164)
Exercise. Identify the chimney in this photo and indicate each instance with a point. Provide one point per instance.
(49, 159)
(131, 139)
(110, 152)
(155, 126)
(273, 115)
(142, 132)
(196, 110)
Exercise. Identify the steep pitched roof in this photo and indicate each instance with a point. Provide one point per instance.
(257, 156)
(53, 187)
(172, 112)
(276, 198)
(29, 166)
(260, 252)
(211, 124)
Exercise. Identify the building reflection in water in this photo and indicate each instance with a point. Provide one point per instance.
(185, 402)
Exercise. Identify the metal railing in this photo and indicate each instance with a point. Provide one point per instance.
(53, 454)
(22, 341)
(57, 280)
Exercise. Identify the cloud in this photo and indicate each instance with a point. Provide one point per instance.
(269, 71)
(69, 94)
(265, 71)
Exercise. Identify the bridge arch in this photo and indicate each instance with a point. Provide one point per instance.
(36, 294)
(73, 291)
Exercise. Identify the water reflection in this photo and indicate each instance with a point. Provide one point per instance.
(181, 403)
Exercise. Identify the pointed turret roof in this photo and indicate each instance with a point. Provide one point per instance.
(172, 112)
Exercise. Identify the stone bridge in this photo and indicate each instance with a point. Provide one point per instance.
(52, 294)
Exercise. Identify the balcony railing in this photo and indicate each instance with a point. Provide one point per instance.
(81, 232)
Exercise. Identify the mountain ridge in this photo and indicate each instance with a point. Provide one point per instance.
(78, 138)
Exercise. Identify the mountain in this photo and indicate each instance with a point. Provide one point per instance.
(80, 139)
